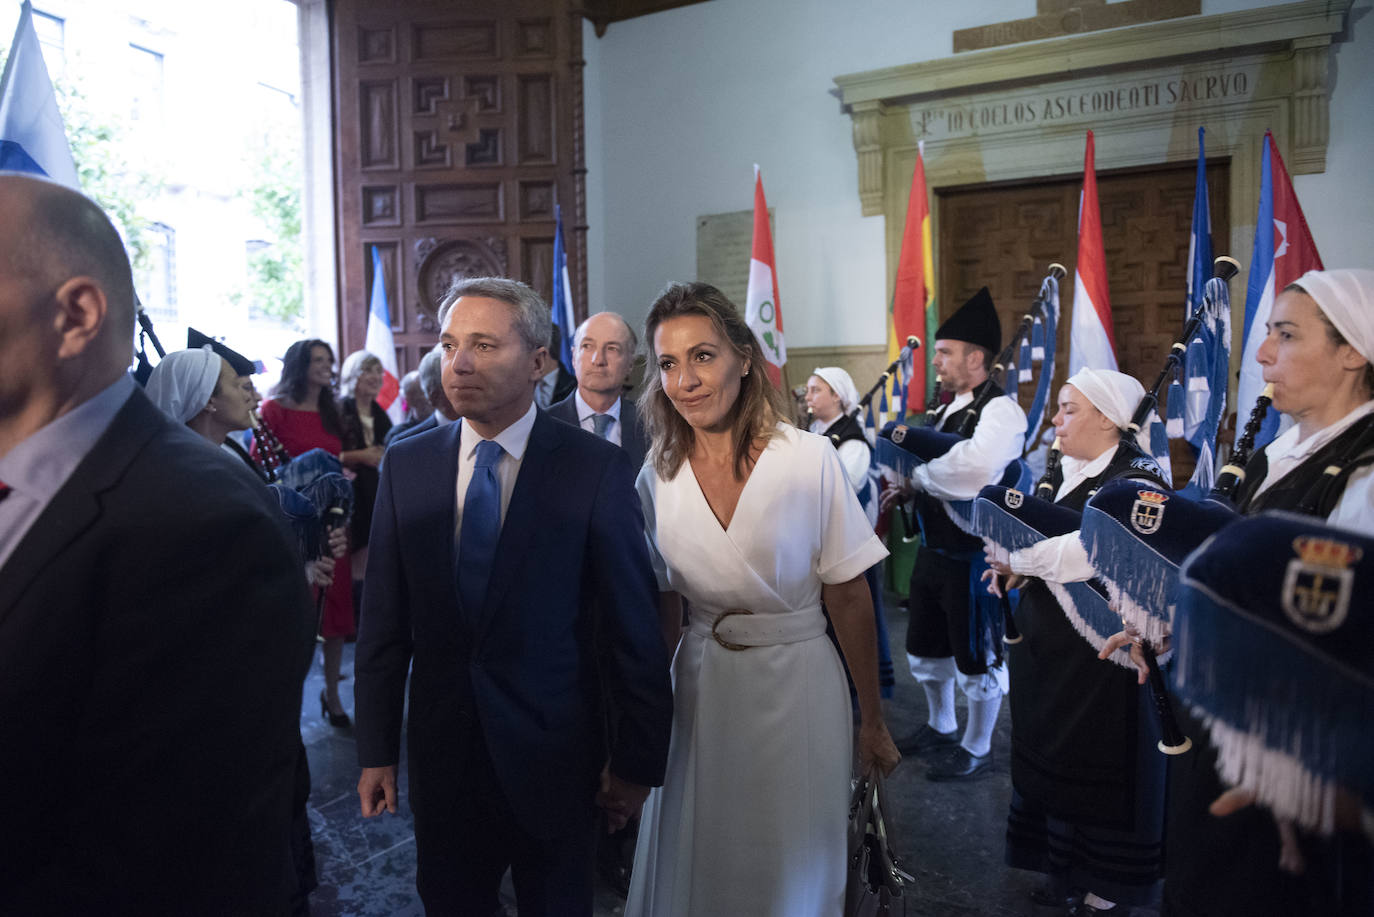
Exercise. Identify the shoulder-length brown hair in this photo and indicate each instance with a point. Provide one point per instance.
(755, 413)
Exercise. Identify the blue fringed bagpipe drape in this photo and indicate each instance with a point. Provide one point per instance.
(1274, 648)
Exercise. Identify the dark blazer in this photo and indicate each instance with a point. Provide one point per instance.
(424, 426)
(365, 480)
(571, 583)
(634, 439)
(155, 629)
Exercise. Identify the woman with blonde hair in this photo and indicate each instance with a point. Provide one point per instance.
(754, 523)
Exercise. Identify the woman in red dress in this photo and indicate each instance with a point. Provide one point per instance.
(304, 416)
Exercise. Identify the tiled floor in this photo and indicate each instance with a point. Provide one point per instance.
(950, 834)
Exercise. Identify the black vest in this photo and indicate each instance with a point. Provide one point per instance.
(1301, 489)
(844, 430)
(937, 529)
(1130, 461)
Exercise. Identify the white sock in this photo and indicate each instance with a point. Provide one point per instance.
(982, 720)
(940, 700)
(1102, 904)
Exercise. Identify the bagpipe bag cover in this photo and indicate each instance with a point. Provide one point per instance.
(1137, 536)
(1274, 638)
(1012, 520)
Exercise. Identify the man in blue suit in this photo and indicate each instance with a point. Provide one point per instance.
(508, 572)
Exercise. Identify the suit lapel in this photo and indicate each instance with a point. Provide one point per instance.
(524, 513)
(76, 507)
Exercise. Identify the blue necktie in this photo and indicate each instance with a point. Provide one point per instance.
(481, 527)
(601, 423)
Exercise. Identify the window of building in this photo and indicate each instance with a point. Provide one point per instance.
(52, 35)
(145, 86)
(158, 285)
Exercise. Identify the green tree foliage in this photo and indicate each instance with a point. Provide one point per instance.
(275, 271)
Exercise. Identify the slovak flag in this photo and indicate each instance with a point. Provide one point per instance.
(761, 311)
(32, 137)
(1091, 340)
(1283, 252)
(380, 342)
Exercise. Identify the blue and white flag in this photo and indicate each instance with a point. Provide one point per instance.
(32, 137)
(562, 306)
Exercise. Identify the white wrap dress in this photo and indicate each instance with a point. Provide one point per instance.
(752, 816)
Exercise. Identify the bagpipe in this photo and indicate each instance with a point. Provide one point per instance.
(902, 448)
(1280, 662)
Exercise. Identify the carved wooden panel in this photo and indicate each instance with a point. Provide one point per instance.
(1005, 237)
(458, 127)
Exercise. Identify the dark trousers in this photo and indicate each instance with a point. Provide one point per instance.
(466, 840)
(939, 602)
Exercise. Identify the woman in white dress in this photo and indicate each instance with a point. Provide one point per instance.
(754, 523)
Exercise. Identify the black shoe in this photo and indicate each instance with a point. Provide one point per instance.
(1084, 909)
(927, 739)
(1046, 896)
(339, 720)
(960, 765)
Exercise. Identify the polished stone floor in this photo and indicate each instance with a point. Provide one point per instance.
(950, 835)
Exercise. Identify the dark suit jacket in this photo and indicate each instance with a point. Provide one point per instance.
(155, 628)
(634, 439)
(571, 583)
(424, 426)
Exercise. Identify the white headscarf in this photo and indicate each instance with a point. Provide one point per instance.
(1347, 299)
(841, 383)
(1115, 394)
(181, 385)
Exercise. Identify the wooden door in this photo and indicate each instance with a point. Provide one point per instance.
(458, 127)
(1005, 236)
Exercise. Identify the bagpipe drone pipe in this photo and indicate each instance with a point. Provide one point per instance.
(1279, 662)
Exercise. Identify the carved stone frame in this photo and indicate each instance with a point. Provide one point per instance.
(1282, 51)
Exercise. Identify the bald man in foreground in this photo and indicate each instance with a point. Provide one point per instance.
(154, 624)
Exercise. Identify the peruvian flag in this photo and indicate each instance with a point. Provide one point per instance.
(380, 342)
(1283, 252)
(761, 311)
(913, 293)
(1091, 341)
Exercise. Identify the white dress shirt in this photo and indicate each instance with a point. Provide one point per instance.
(37, 468)
(1355, 510)
(974, 463)
(513, 441)
(585, 413)
(1063, 559)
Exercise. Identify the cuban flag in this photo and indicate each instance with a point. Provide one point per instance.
(1283, 252)
(32, 137)
(1091, 341)
(562, 306)
(761, 311)
(380, 342)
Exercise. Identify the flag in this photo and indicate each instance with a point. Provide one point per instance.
(32, 138)
(1091, 341)
(761, 310)
(913, 294)
(1207, 359)
(1283, 252)
(380, 342)
(562, 307)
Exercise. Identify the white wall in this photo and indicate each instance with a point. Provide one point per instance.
(690, 98)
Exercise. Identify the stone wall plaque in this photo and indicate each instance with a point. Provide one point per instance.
(724, 241)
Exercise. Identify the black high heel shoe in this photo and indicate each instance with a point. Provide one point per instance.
(339, 720)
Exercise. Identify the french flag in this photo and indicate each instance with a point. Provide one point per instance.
(1283, 252)
(562, 307)
(32, 137)
(1091, 341)
(380, 342)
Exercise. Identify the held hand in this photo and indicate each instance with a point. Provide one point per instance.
(894, 495)
(377, 790)
(999, 584)
(338, 541)
(372, 456)
(320, 572)
(1291, 859)
(1127, 638)
(996, 559)
(876, 747)
(619, 799)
